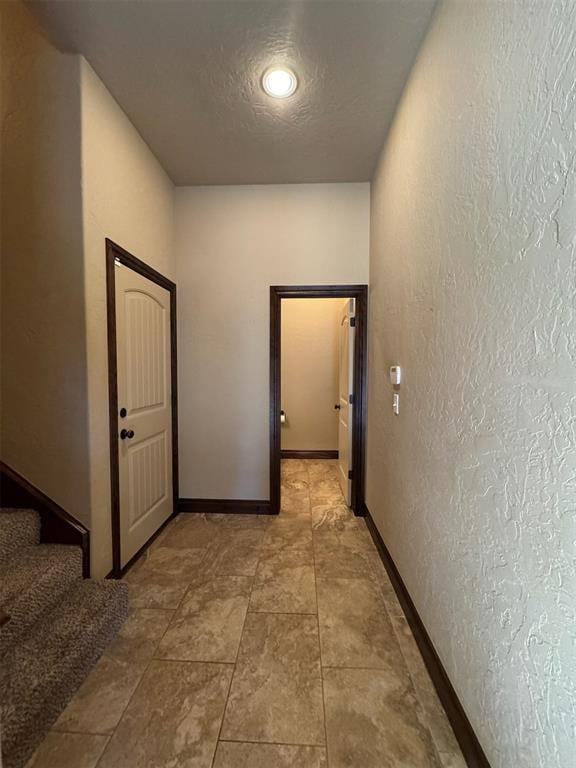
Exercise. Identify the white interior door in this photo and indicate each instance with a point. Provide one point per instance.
(144, 391)
(345, 394)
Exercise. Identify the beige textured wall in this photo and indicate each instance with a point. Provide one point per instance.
(43, 343)
(310, 336)
(129, 198)
(232, 243)
(473, 277)
(73, 172)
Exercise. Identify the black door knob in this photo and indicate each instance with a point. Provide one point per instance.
(127, 433)
(337, 407)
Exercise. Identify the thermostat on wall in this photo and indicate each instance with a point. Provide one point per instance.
(395, 375)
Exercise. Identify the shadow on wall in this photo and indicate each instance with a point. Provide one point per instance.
(43, 328)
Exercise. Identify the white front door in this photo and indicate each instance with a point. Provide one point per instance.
(144, 406)
(345, 392)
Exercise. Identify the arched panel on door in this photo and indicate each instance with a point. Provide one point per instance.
(143, 403)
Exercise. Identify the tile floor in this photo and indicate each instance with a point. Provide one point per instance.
(259, 642)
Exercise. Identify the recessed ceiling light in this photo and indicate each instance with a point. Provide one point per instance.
(279, 82)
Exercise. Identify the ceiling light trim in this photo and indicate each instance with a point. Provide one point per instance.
(279, 82)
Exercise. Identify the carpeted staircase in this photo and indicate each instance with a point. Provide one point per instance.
(54, 625)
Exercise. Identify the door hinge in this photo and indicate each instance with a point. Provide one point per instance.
(352, 322)
(350, 474)
(351, 399)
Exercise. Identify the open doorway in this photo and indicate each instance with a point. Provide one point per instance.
(318, 384)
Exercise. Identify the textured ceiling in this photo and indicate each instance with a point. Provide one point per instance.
(188, 75)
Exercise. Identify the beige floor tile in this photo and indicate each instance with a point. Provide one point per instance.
(284, 533)
(295, 501)
(291, 467)
(239, 521)
(160, 578)
(321, 469)
(190, 531)
(326, 483)
(371, 721)
(153, 589)
(181, 564)
(452, 760)
(208, 624)
(68, 750)
(351, 537)
(173, 719)
(99, 703)
(335, 517)
(170, 708)
(343, 557)
(355, 630)
(295, 484)
(433, 713)
(193, 530)
(325, 489)
(235, 553)
(238, 755)
(318, 497)
(284, 582)
(388, 592)
(166, 530)
(295, 515)
(276, 692)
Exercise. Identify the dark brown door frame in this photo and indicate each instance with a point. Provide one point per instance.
(113, 252)
(360, 293)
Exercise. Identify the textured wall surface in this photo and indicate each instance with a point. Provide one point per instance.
(232, 244)
(473, 286)
(310, 367)
(43, 343)
(129, 198)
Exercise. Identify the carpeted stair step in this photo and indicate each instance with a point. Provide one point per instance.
(32, 582)
(18, 528)
(40, 675)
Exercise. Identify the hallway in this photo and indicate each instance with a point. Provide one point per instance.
(260, 643)
(171, 173)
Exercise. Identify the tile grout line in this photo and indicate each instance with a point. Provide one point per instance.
(318, 621)
(195, 661)
(219, 739)
(371, 577)
(234, 666)
(400, 645)
(283, 613)
(154, 658)
(173, 612)
(124, 710)
(240, 741)
(419, 701)
(107, 736)
(147, 667)
(70, 732)
(358, 669)
(272, 743)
